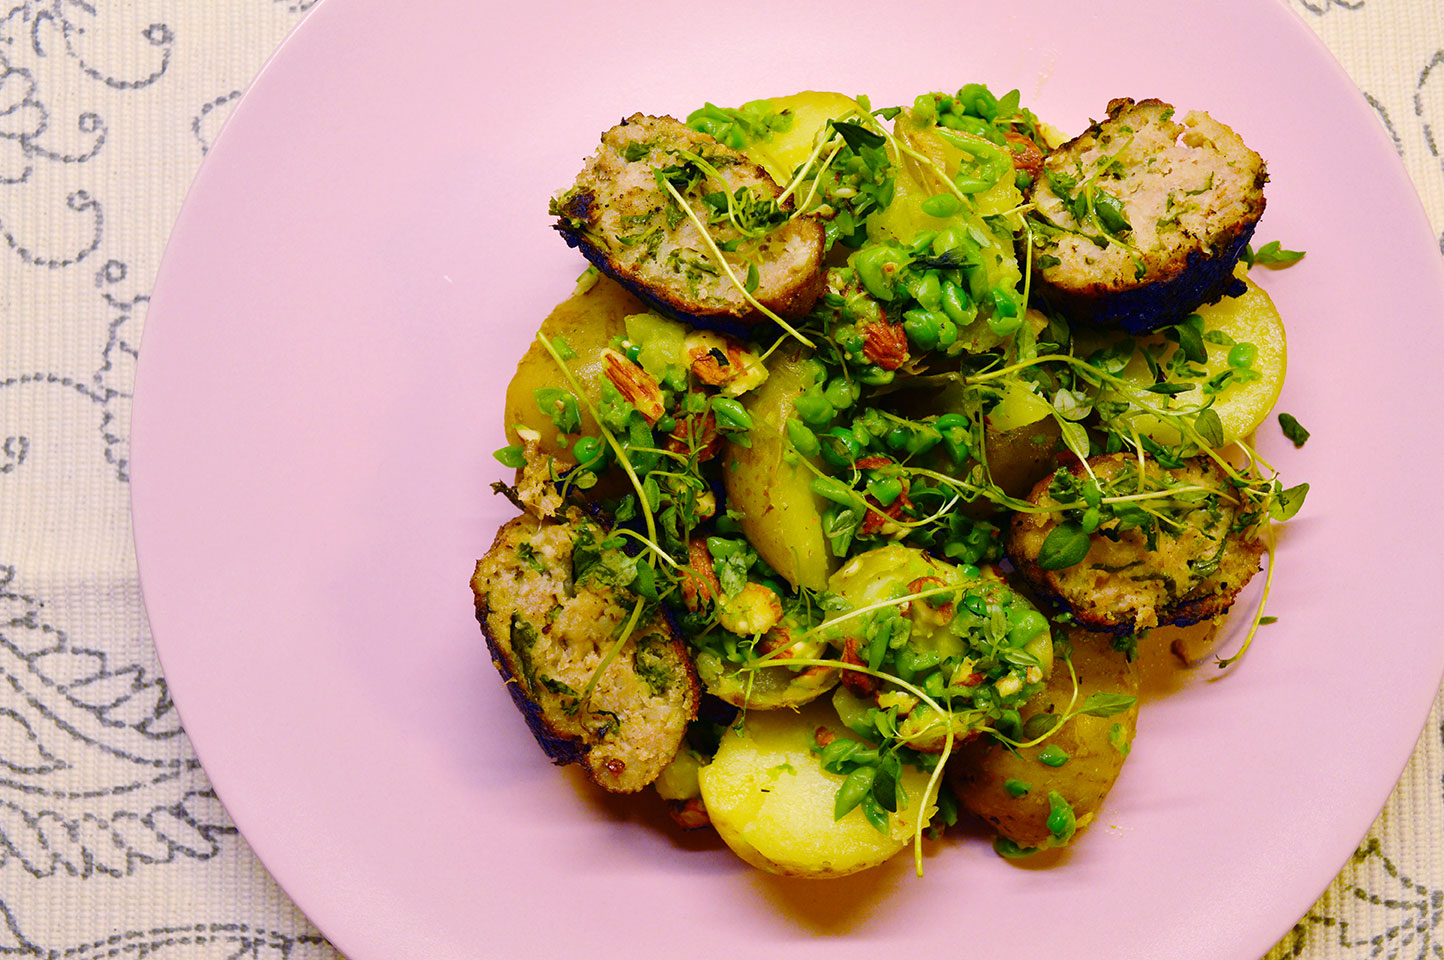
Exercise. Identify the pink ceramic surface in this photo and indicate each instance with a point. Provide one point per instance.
(365, 254)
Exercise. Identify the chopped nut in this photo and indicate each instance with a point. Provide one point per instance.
(720, 361)
(635, 384)
(885, 344)
(699, 580)
(754, 610)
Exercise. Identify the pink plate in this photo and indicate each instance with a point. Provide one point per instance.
(366, 253)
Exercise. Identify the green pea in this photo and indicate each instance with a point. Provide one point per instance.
(588, 451)
(1242, 355)
(1029, 625)
(969, 572)
(1062, 823)
(921, 327)
(814, 411)
(957, 305)
(840, 447)
(885, 490)
(876, 376)
(814, 370)
(976, 605)
(923, 439)
(834, 490)
(949, 239)
(857, 785)
(1016, 788)
(634, 351)
(940, 205)
(1053, 755)
(871, 265)
(922, 241)
(731, 414)
(929, 292)
(947, 334)
(803, 439)
(897, 438)
(667, 424)
(956, 431)
(511, 456)
(924, 108)
(838, 393)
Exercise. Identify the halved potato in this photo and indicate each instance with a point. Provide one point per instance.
(1248, 318)
(587, 321)
(772, 803)
(782, 517)
(1014, 790)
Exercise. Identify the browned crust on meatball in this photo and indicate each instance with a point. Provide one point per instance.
(1192, 193)
(617, 215)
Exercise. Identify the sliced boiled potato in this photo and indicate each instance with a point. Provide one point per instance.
(587, 321)
(1022, 794)
(786, 150)
(1248, 318)
(782, 517)
(772, 803)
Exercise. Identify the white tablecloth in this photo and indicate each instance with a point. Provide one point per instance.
(111, 842)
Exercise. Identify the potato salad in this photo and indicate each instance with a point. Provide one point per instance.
(867, 447)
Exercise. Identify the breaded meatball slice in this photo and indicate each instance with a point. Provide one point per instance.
(550, 617)
(627, 224)
(1141, 219)
(1131, 579)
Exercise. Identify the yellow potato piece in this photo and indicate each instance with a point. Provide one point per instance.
(771, 802)
(587, 321)
(785, 151)
(782, 517)
(1241, 407)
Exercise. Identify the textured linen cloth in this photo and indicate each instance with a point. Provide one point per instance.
(111, 841)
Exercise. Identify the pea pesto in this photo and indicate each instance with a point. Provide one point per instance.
(866, 448)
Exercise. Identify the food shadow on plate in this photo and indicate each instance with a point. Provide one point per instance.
(645, 810)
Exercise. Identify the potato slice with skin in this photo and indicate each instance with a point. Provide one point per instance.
(782, 517)
(1241, 407)
(1011, 790)
(587, 321)
(772, 803)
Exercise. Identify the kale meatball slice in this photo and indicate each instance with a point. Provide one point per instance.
(1180, 561)
(624, 218)
(1141, 219)
(551, 609)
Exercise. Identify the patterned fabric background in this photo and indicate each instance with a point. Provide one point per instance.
(111, 841)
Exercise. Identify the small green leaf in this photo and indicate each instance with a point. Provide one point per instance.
(1065, 545)
(1288, 502)
(1272, 254)
(1293, 429)
(1075, 438)
(511, 456)
(1106, 704)
(885, 784)
(1190, 339)
(857, 136)
(1209, 427)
